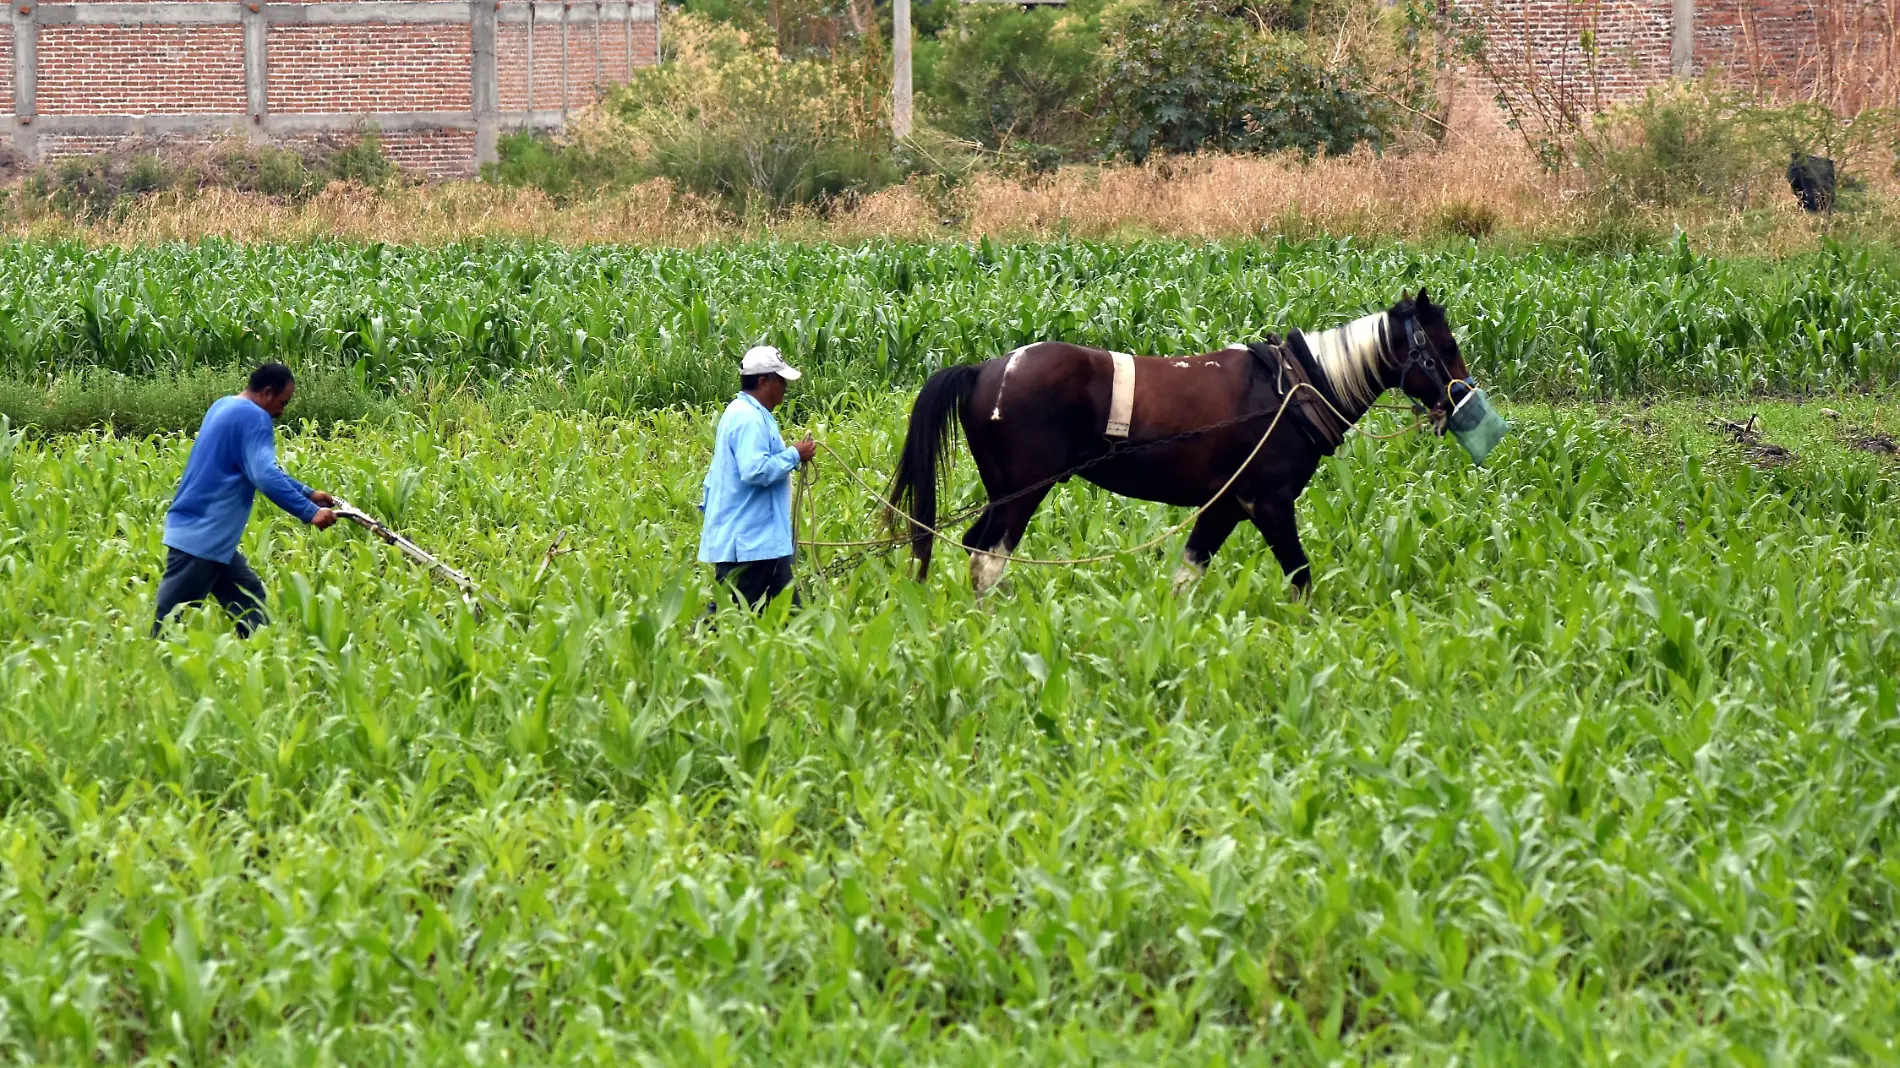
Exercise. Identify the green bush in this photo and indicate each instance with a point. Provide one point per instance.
(1185, 77)
(1672, 147)
(558, 169)
(90, 188)
(277, 172)
(1019, 82)
(1683, 145)
(728, 118)
(363, 161)
(763, 164)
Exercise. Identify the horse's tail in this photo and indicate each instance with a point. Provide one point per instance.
(913, 496)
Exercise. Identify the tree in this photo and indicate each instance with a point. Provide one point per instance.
(1019, 82)
(1182, 76)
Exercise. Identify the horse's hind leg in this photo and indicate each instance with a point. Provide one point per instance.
(995, 534)
(1209, 532)
(1276, 524)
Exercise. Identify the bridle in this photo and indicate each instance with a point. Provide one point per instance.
(1420, 356)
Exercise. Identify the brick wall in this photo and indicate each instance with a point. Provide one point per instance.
(1601, 52)
(439, 152)
(369, 68)
(1790, 45)
(141, 70)
(98, 81)
(1594, 51)
(511, 60)
(6, 68)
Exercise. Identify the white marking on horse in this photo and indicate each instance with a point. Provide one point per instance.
(1015, 357)
(1182, 363)
(986, 569)
(1212, 363)
(1349, 357)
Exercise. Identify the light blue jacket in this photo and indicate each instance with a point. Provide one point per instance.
(748, 499)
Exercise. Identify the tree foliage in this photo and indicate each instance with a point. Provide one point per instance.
(1019, 82)
(1183, 76)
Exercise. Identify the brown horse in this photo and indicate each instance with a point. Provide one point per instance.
(1040, 414)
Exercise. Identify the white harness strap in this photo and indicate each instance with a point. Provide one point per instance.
(1121, 398)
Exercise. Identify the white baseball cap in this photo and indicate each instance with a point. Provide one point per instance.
(765, 360)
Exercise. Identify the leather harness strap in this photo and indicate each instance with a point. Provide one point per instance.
(1121, 398)
(1289, 363)
(1296, 345)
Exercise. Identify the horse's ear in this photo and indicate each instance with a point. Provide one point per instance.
(1424, 299)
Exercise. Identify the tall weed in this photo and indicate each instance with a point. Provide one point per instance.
(727, 117)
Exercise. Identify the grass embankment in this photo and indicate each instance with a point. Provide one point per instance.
(140, 338)
(1587, 754)
(1483, 188)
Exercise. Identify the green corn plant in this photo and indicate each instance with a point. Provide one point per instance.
(1539, 323)
(1587, 755)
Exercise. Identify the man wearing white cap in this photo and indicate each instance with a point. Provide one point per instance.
(747, 535)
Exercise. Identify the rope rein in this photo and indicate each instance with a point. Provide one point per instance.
(893, 541)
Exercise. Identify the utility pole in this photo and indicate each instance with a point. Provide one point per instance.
(900, 69)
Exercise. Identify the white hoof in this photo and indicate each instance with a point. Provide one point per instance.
(986, 569)
(1186, 574)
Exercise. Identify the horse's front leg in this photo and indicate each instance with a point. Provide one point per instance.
(1275, 522)
(1209, 532)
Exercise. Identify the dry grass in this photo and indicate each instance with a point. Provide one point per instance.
(1395, 195)
(1471, 188)
(431, 214)
(1409, 195)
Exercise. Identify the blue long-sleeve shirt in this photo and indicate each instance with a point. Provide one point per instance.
(235, 455)
(748, 497)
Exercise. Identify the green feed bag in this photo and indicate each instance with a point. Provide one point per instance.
(1476, 426)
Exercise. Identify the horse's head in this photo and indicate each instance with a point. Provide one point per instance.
(1431, 369)
(1432, 372)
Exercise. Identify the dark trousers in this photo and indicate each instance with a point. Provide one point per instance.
(756, 582)
(190, 579)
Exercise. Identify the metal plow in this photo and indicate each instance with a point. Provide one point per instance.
(471, 593)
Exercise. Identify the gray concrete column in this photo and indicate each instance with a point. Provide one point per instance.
(256, 69)
(1682, 40)
(26, 80)
(484, 78)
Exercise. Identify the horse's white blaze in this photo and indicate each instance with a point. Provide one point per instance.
(1185, 575)
(1349, 357)
(1015, 357)
(986, 569)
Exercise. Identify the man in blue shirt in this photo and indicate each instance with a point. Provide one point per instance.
(235, 456)
(747, 535)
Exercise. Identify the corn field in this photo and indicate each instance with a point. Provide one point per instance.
(624, 329)
(1587, 756)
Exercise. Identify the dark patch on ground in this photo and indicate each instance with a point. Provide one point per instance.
(1759, 452)
(1882, 444)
